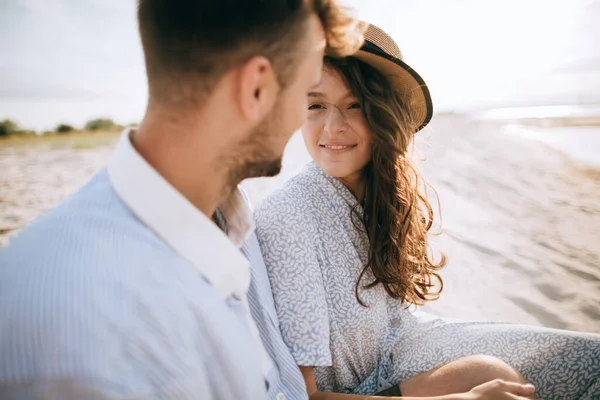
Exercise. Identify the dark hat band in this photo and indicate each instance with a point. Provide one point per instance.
(372, 48)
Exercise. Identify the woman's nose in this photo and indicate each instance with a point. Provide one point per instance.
(335, 121)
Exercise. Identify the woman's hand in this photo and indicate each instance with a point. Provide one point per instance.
(501, 390)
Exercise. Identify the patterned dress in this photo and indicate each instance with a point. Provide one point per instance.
(314, 251)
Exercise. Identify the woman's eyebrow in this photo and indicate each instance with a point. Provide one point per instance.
(319, 94)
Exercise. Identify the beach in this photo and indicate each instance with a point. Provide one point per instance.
(521, 217)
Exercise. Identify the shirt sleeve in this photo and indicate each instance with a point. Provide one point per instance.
(75, 389)
(287, 240)
(58, 389)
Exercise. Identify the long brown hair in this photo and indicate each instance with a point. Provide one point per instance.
(397, 214)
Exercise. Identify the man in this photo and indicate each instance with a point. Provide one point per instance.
(128, 289)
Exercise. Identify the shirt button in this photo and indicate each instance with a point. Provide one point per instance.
(280, 396)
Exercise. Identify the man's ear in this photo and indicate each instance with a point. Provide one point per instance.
(257, 88)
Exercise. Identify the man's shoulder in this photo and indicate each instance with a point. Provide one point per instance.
(77, 265)
(95, 208)
(87, 289)
(91, 225)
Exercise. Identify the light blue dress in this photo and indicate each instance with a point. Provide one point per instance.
(314, 253)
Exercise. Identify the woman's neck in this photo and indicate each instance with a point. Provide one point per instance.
(356, 184)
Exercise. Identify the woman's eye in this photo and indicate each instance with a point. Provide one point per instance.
(315, 107)
(354, 105)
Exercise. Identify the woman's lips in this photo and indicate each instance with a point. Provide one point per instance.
(337, 148)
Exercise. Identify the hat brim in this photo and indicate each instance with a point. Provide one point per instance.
(405, 81)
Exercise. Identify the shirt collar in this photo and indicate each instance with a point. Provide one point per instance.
(181, 225)
(238, 215)
(338, 188)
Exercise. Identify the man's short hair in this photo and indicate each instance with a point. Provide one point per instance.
(190, 44)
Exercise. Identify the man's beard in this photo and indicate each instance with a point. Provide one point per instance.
(256, 157)
(257, 169)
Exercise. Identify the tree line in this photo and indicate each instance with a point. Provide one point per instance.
(9, 127)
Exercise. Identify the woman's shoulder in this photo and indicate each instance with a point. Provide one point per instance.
(293, 202)
(295, 194)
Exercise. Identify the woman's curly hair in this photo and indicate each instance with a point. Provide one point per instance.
(397, 214)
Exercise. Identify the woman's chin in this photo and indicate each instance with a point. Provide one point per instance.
(336, 170)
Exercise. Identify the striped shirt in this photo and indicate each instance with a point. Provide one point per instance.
(285, 380)
(127, 291)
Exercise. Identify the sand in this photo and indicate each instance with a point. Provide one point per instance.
(521, 220)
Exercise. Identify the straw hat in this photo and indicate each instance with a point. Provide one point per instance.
(382, 53)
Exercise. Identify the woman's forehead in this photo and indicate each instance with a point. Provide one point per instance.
(332, 83)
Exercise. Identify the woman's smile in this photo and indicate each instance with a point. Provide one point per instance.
(335, 148)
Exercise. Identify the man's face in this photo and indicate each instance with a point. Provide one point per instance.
(271, 136)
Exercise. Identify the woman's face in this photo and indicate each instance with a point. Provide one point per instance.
(335, 132)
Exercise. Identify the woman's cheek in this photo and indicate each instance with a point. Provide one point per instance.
(310, 132)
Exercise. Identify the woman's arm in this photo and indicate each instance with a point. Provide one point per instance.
(495, 390)
(313, 394)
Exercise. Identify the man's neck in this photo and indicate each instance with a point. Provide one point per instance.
(189, 165)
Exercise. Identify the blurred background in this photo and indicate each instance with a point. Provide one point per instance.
(513, 150)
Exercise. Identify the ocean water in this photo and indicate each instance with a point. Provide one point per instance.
(582, 143)
(558, 111)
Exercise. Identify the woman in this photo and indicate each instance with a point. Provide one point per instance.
(345, 245)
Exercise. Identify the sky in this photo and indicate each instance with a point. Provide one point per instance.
(72, 60)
